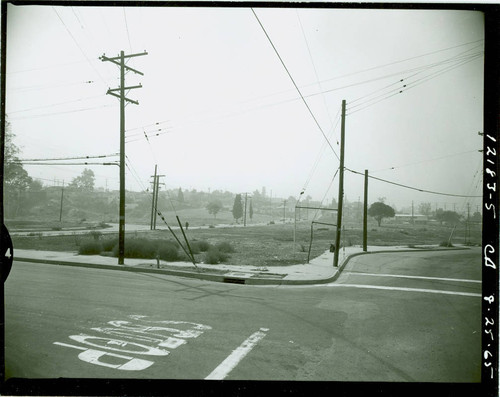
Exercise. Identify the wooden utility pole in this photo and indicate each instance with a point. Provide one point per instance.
(156, 200)
(120, 61)
(341, 188)
(62, 196)
(365, 215)
(153, 212)
(245, 217)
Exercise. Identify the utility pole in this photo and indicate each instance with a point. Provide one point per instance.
(365, 214)
(467, 225)
(62, 196)
(153, 198)
(156, 189)
(341, 188)
(284, 211)
(120, 61)
(412, 219)
(156, 199)
(245, 217)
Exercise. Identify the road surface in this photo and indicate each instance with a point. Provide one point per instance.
(403, 317)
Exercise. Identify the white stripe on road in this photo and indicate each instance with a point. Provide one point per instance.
(432, 291)
(237, 355)
(420, 277)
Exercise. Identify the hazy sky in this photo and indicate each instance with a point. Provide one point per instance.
(231, 118)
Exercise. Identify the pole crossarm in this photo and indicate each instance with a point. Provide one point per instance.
(124, 98)
(104, 58)
(125, 88)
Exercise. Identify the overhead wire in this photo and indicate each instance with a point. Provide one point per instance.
(404, 60)
(71, 158)
(409, 187)
(56, 104)
(421, 69)
(314, 68)
(424, 161)
(78, 45)
(61, 112)
(295, 84)
(320, 153)
(411, 85)
(326, 193)
(126, 28)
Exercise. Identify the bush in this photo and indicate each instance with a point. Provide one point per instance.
(200, 246)
(95, 234)
(138, 248)
(214, 256)
(90, 248)
(109, 243)
(446, 244)
(225, 247)
(168, 252)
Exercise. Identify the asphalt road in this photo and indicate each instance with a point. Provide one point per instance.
(389, 317)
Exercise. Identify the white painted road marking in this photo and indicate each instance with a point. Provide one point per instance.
(149, 337)
(92, 356)
(237, 355)
(418, 277)
(432, 291)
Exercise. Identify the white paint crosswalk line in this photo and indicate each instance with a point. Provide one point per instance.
(416, 277)
(432, 291)
(237, 355)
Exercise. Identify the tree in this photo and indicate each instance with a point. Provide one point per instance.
(180, 196)
(250, 211)
(237, 207)
(214, 207)
(16, 179)
(84, 182)
(425, 209)
(450, 217)
(476, 217)
(379, 211)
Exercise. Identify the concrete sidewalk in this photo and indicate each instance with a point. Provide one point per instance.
(319, 270)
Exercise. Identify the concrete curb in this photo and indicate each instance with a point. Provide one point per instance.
(225, 278)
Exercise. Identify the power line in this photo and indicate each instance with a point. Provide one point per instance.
(72, 158)
(126, 27)
(79, 47)
(425, 161)
(84, 163)
(411, 85)
(409, 187)
(296, 87)
(422, 69)
(61, 112)
(404, 60)
(320, 153)
(56, 104)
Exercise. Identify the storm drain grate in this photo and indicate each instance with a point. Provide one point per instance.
(234, 280)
